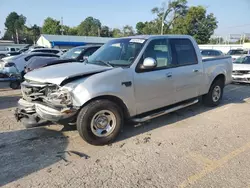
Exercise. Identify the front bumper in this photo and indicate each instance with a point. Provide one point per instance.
(32, 114)
(241, 78)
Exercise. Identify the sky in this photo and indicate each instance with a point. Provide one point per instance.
(232, 15)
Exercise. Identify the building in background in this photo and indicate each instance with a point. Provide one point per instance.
(68, 41)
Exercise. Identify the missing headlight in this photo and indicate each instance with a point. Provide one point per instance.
(60, 97)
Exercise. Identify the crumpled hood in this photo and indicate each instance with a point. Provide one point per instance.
(56, 74)
(241, 67)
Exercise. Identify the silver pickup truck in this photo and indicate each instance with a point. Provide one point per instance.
(134, 78)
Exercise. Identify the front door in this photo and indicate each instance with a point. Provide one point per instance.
(154, 88)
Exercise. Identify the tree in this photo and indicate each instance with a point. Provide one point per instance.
(89, 27)
(197, 24)
(151, 27)
(139, 27)
(51, 26)
(36, 32)
(166, 15)
(105, 31)
(116, 33)
(216, 40)
(14, 24)
(128, 30)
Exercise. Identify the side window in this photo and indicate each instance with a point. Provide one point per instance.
(12, 49)
(38, 51)
(184, 52)
(214, 53)
(217, 53)
(89, 52)
(247, 60)
(54, 51)
(207, 53)
(159, 50)
(47, 51)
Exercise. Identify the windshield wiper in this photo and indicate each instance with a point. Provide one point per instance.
(100, 61)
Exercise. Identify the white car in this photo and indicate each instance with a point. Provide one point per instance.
(241, 69)
(236, 53)
(46, 50)
(17, 63)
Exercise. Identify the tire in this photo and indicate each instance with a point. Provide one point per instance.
(209, 99)
(14, 85)
(2, 56)
(106, 113)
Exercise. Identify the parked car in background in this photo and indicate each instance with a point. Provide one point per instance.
(17, 52)
(236, 53)
(46, 50)
(3, 53)
(10, 63)
(241, 69)
(208, 53)
(38, 62)
(136, 78)
(75, 54)
(80, 53)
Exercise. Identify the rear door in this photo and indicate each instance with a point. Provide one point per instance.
(189, 74)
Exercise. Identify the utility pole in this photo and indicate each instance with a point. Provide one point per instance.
(62, 30)
(17, 37)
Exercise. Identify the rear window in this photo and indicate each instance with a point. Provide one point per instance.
(40, 55)
(184, 51)
(38, 62)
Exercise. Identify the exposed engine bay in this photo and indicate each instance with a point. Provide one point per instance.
(50, 94)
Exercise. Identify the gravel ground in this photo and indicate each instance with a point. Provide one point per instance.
(193, 147)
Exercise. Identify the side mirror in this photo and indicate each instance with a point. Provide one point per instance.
(85, 58)
(149, 63)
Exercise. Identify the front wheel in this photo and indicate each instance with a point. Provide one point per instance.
(214, 96)
(99, 122)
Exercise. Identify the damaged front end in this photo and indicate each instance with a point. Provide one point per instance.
(241, 76)
(45, 102)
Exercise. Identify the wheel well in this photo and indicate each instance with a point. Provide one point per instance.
(219, 77)
(116, 100)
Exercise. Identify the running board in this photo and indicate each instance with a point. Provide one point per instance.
(155, 115)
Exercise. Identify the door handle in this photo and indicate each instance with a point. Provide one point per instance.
(196, 70)
(169, 75)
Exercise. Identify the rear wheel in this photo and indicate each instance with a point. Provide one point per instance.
(99, 122)
(14, 84)
(214, 96)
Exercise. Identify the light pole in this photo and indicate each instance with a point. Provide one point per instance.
(62, 30)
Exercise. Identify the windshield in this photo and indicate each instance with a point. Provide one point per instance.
(72, 53)
(243, 60)
(118, 52)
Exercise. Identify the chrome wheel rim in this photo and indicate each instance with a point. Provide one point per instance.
(103, 123)
(216, 93)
